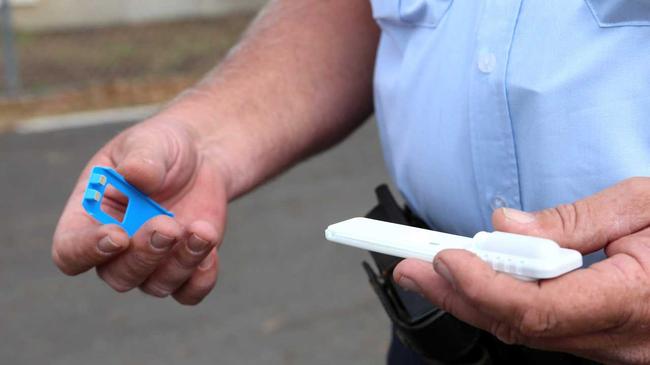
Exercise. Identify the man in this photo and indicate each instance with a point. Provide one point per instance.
(486, 108)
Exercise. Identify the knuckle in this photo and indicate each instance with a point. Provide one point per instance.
(63, 263)
(537, 322)
(118, 285)
(189, 300)
(447, 302)
(192, 298)
(473, 292)
(196, 293)
(186, 261)
(141, 261)
(639, 188)
(115, 283)
(134, 270)
(505, 333)
(639, 185)
(204, 287)
(195, 290)
(635, 356)
(155, 290)
(568, 215)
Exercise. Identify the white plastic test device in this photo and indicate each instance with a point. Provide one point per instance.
(524, 257)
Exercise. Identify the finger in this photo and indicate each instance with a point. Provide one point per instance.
(150, 245)
(201, 282)
(183, 261)
(580, 302)
(420, 277)
(79, 242)
(77, 251)
(588, 224)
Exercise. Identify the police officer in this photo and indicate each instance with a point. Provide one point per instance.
(487, 109)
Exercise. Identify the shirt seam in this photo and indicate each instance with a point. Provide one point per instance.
(508, 107)
(476, 167)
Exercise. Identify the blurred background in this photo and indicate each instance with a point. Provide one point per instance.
(62, 56)
(75, 73)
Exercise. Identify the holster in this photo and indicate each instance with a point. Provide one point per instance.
(427, 330)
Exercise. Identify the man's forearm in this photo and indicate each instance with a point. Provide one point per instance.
(299, 81)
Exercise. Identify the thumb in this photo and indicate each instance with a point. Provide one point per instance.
(586, 225)
(143, 159)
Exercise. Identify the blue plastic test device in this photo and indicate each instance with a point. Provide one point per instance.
(140, 207)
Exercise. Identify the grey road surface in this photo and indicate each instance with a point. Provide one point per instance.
(285, 295)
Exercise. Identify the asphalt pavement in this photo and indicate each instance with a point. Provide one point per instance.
(285, 295)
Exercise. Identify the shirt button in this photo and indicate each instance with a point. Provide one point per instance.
(498, 202)
(487, 62)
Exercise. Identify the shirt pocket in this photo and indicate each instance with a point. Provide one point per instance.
(620, 13)
(417, 13)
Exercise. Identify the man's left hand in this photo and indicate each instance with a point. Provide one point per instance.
(601, 312)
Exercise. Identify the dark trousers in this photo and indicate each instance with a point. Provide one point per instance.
(398, 354)
(501, 354)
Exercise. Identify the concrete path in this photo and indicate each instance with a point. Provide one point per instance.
(285, 295)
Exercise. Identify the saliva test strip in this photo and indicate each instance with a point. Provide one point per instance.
(524, 257)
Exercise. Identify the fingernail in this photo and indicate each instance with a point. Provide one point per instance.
(197, 245)
(443, 271)
(107, 245)
(408, 284)
(207, 262)
(160, 241)
(518, 215)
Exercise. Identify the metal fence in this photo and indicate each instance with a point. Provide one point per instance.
(10, 62)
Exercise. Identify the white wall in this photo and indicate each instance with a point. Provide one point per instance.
(61, 14)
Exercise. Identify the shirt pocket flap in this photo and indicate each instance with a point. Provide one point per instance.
(620, 13)
(424, 13)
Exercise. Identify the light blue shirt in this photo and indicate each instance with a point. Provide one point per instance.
(527, 104)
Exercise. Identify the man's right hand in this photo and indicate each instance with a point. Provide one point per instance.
(298, 82)
(166, 256)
